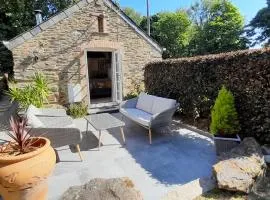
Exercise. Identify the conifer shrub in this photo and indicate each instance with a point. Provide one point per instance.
(224, 117)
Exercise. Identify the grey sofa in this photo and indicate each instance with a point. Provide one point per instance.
(55, 125)
(149, 111)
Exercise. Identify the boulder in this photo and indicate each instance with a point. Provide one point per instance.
(261, 189)
(266, 149)
(238, 169)
(266, 152)
(104, 189)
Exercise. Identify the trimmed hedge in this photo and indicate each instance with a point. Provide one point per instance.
(195, 82)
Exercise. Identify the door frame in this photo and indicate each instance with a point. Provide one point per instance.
(97, 49)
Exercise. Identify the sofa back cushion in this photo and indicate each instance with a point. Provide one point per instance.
(145, 102)
(161, 104)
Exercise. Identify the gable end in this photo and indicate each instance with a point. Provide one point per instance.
(20, 39)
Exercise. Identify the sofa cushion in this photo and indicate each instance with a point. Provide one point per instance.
(33, 121)
(137, 115)
(162, 104)
(145, 102)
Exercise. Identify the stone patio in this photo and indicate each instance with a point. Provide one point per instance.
(177, 164)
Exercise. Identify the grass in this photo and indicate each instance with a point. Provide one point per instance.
(218, 194)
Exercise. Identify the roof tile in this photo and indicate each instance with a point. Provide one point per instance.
(35, 30)
(69, 12)
(47, 24)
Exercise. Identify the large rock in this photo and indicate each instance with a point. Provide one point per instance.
(238, 169)
(266, 152)
(261, 189)
(104, 189)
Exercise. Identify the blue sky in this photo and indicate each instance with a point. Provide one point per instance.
(248, 8)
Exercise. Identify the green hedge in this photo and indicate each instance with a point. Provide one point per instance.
(195, 82)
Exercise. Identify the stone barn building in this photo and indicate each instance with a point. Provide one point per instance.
(90, 52)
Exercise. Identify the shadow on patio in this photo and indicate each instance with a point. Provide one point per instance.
(177, 157)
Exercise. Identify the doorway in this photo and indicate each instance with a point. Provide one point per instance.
(100, 77)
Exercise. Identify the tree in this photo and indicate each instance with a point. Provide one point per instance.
(259, 26)
(135, 16)
(17, 16)
(224, 117)
(172, 32)
(217, 27)
(153, 20)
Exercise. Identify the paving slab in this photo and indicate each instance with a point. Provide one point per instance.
(159, 170)
(178, 163)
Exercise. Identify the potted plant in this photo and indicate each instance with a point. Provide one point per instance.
(25, 163)
(224, 122)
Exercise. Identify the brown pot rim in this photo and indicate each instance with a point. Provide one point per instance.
(14, 159)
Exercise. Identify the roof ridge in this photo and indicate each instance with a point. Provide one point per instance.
(68, 12)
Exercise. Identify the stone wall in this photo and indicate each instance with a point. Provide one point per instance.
(58, 51)
(195, 82)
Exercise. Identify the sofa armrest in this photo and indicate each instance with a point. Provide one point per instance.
(131, 103)
(164, 118)
(58, 136)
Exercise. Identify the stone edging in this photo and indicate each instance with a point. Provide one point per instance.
(193, 128)
(191, 190)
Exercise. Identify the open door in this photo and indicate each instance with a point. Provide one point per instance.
(117, 77)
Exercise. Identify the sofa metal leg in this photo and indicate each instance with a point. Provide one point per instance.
(123, 135)
(99, 140)
(150, 136)
(79, 152)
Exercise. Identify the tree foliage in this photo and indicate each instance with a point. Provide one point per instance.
(259, 26)
(208, 26)
(17, 16)
(172, 32)
(217, 27)
(224, 118)
(153, 19)
(135, 16)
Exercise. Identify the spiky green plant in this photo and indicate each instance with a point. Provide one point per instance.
(224, 118)
(41, 86)
(36, 93)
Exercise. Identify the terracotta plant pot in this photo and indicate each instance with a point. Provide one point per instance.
(24, 177)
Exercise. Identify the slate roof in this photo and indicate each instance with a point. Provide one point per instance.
(67, 13)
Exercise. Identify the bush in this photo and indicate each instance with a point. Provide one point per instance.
(77, 110)
(131, 95)
(193, 80)
(136, 91)
(36, 93)
(224, 119)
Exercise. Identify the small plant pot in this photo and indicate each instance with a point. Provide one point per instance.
(225, 144)
(24, 177)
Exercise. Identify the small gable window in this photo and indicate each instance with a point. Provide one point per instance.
(100, 19)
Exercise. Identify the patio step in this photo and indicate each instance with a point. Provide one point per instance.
(103, 109)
